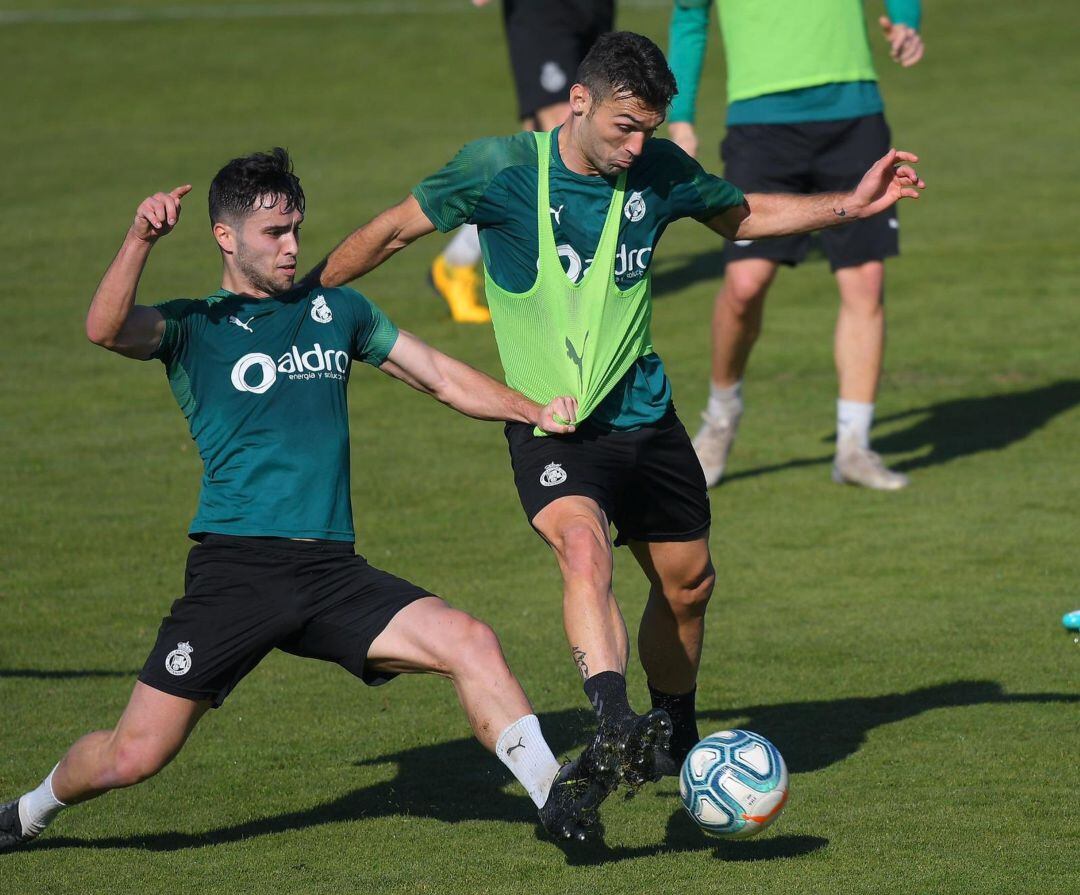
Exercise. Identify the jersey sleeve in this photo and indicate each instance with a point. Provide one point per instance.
(375, 334)
(905, 12)
(688, 37)
(463, 191)
(172, 340)
(691, 190)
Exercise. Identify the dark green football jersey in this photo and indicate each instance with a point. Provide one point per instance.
(263, 384)
(493, 183)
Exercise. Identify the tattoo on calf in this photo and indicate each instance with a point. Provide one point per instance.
(579, 659)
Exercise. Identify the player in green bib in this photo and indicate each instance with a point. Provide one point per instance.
(260, 369)
(804, 114)
(569, 223)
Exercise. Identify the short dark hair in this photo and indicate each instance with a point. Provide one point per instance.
(625, 62)
(266, 176)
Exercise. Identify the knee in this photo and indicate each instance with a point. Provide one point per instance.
(744, 293)
(583, 552)
(473, 647)
(689, 596)
(135, 760)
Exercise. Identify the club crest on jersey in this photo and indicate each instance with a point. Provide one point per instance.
(178, 662)
(634, 208)
(552, 475)
(320, 311)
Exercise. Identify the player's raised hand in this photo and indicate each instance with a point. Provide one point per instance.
(558, 417)
(158, 214)
(905, 44)
(887, 182)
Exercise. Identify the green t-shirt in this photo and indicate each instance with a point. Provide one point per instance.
(262, 383)
(493, 183)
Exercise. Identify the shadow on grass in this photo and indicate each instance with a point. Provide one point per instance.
(458, 781)
(958, 428)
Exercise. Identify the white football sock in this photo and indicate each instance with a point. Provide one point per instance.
(464, 249)
(522, 748)
(725, 402)
(39, 806)
(853, 421)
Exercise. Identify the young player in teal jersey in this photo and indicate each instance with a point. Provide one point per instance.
(559, 279)
(260, 369)
(804, 114)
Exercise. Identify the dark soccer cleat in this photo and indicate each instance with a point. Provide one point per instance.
(11, 831)
(627, 752)
(570, 811)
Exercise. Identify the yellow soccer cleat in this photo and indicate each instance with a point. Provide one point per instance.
(460, 286)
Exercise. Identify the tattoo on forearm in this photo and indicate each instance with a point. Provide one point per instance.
(579, 659)
(840, 212)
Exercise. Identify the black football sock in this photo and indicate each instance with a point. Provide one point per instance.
(607, 693)
(681, 708)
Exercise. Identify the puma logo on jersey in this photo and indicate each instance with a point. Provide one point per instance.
(576, 358)
(557, 212)
(242, 324)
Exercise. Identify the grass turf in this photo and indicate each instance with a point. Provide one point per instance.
(903, 650)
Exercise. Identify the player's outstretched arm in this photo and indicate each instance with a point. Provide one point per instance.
(888, 181)
(114, 321)
(367, 248)
(471, 392)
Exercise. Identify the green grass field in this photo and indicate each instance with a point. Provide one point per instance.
(904, 651)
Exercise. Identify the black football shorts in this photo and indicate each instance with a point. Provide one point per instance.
(547, 41)
(811, 157)
(648, 481)
(246, 596)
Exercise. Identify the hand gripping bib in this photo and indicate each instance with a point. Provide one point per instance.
(562, 338)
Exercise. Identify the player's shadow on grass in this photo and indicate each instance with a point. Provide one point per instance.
(957, 428)
(457, 781)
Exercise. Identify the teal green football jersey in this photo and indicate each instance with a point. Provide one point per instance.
(493, 183)
(263, 384)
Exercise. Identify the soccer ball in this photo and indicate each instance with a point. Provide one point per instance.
(734, 783)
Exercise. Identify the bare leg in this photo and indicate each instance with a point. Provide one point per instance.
(549, 117)
(859, 345)
(431, 636)
(577, 530)
(152, 730)
(737, 316)
(681, 579)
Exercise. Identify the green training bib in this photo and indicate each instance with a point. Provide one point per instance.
(565, 338)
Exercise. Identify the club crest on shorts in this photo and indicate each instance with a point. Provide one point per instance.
(552, 77)
(178, 662)
(634, 208)
(320, 311)
(552, 475)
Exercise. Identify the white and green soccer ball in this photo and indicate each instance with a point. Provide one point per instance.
(734, 783)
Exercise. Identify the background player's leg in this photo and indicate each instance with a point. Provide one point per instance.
(859, 350)
(672, 630)
(151, 731)
(737, 314)
(859, 344)
(549, 117)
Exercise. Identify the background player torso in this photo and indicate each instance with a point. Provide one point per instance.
(263, 383)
